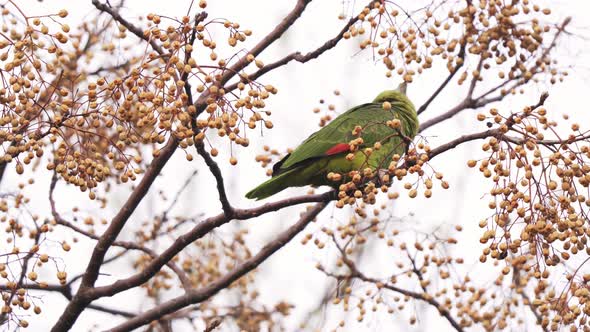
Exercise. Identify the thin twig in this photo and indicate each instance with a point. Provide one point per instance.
(444, 84)
(131, 27)
(66, 291)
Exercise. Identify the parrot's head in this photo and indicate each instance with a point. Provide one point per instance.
(391, 96)
(402, 104)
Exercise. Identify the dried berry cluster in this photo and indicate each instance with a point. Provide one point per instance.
(93, 108)
(422, 271)
(98, 120)
(408, 41)
(540, 201)
(26, 243)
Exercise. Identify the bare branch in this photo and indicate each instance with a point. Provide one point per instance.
(467, 103)
(111, 311)
(109, 68)
(178, 193)
(462, 139)
(463, 105)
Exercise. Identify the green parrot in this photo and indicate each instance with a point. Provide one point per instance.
(328, 150)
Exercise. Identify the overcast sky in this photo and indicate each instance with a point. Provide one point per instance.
(359, 79)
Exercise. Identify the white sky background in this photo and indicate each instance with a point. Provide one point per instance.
(290, 273)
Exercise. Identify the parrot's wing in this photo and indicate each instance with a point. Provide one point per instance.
(333, 138)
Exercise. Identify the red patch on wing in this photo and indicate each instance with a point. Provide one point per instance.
(338, 148)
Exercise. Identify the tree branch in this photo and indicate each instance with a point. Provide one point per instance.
(471, 102)
(205, 293)
(81, 299)
(418, 296)
(356, 273)
(462, 139)
(444, 84)
(228, 210)
(298, 56)
(66, 291)
(131, 27)
(23, 273)
(494, 133)
(196, 233)
(275, 34)
(3, 164)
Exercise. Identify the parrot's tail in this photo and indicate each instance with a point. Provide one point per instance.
(273, 185)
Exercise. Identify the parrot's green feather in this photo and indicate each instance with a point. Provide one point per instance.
(310, 163)
(272, 186)
(321, 141)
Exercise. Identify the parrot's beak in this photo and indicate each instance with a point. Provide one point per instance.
(402, 87)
